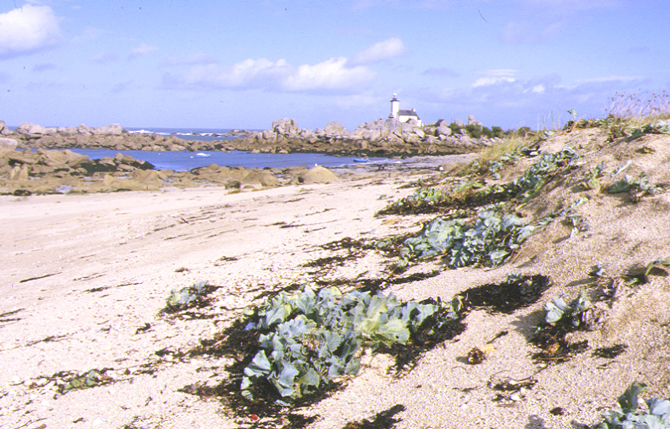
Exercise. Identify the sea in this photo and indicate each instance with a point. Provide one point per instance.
(185, 160)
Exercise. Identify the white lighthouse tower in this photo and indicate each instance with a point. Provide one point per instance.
(395, 107)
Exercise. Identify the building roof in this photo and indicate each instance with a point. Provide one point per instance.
(407, 113)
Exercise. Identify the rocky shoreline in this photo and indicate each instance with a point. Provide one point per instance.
(388, 137)
(37, 160)
(26, 172)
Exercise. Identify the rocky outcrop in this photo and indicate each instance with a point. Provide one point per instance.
(7, 144)
(24, 172)
(112, 137)
(381, 138)
(317, 174)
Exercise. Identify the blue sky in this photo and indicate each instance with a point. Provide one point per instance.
(244, 63)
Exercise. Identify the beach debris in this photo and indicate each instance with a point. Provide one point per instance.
(383, 420)
(477, 355)
(510, 391)
(610, 352)
(9, 316)
(515, 292)
(63, 382)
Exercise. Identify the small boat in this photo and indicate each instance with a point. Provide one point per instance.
(361, 160)
(202, 155)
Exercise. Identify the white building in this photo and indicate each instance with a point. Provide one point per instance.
(403, 115)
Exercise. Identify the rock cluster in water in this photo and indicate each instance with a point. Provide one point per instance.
(24, 172)
(381, 137)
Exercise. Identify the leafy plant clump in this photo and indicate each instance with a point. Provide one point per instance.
(308, 340)
(423, 200)
(67, 382)
(558, 310)
(533, 179)
(563, 316)
(657, 415)
(187, 297)
(489, 241)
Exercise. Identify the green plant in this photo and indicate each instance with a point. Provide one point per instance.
(489, 241)
(637, 187)
(655, 264)
(657, 415)
(308, 340)
(421, 198)
(474, 130)
(535, 177)
(186, 297)
(86, 380)
(558, 310)
(591, 180)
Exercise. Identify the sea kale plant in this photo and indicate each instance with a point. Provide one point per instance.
(559, 310)
(656, 416)
(187, 297)
(490, 240)
(308, 340)
(534, 178)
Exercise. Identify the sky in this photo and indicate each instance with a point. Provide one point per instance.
(245, 63)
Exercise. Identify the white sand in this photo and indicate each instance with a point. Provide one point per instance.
(81, 274)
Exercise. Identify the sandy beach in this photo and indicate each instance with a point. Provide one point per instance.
(85, 278)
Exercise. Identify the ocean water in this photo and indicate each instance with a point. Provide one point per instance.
(184, 161)
(202, 134)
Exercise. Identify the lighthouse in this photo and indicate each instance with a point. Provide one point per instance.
(395, 107)
(403, 115)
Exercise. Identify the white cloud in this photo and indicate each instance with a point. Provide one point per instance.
(142, 50)
(538, 89)
(28, 29)
(380, 51)
(494, 77)
(330, 74)
(488, 81)
(279, 76)
(247, 74)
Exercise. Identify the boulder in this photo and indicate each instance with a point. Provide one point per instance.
(52, 158)
(285, 126)
(443, 130)
(334, 127)
(113, 129)
(23, 157)
(84, 130)
(4, 129)
(31, 129)
(67, 131)
(152, 178)
(317, 174)
(7, 144)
